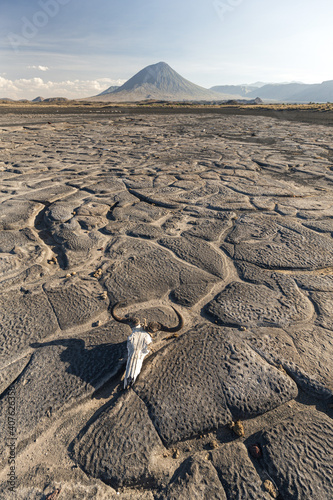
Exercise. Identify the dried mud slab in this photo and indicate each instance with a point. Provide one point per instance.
(304, 352)
(18, 214)
(209, 230)
(205, 379)
(237, 473)
(196, 478)
(149, 272)
(25, 317)
(126, 427)
(198, 253)
(75, 303)
(61, 374)
(298, 455)
(273, 243)
(249, 304)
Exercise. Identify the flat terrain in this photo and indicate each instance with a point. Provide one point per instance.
(229, 219)
(320, 114)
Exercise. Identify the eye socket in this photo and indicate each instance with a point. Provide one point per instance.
(153, 326)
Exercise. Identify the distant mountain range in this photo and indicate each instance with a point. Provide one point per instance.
(161, 82)
(283, 92)
(235, 90)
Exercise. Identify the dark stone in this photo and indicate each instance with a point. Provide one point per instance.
(322, 226)
(304, 353)
(29, 275)
(226, 199)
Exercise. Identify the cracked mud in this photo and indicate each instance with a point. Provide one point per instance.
(157, 210)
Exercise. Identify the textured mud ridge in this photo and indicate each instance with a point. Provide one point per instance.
(229, 219)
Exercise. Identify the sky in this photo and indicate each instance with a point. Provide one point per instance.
(78, 48)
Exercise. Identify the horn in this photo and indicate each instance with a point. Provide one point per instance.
(174, 328)
(118, 318)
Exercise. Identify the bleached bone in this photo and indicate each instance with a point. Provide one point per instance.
(137, 347)
(139, 340)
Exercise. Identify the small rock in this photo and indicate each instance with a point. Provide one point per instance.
(270, 488)
(255, 451)
(97, 323)
(54, 495)
(237, 428)
(214, 444)
(175, 454)
(173, 336)
(98, 274)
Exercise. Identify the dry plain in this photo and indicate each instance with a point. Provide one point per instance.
(229, 219)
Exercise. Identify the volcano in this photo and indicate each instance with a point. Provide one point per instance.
(159, 82)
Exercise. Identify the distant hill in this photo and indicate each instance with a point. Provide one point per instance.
(295, 92)
(321, 92)
(56, 100)
(236, 90)
(38, 99)
(159, 81)
(278, 91)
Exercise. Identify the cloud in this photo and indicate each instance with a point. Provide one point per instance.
(41, 68)
(25, 88)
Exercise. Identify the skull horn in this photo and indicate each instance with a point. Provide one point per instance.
(126, 321)
(174, 328)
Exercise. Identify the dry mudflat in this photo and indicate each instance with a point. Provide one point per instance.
(227, 218)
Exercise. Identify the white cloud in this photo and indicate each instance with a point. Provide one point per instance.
(41, 68)
(25, 88)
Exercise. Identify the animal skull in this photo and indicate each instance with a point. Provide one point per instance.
(138, 341)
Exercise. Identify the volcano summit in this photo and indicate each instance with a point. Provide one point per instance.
(159, 81)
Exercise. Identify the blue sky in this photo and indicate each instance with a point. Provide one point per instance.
(78, 48)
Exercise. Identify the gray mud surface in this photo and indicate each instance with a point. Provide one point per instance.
(227, 218)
